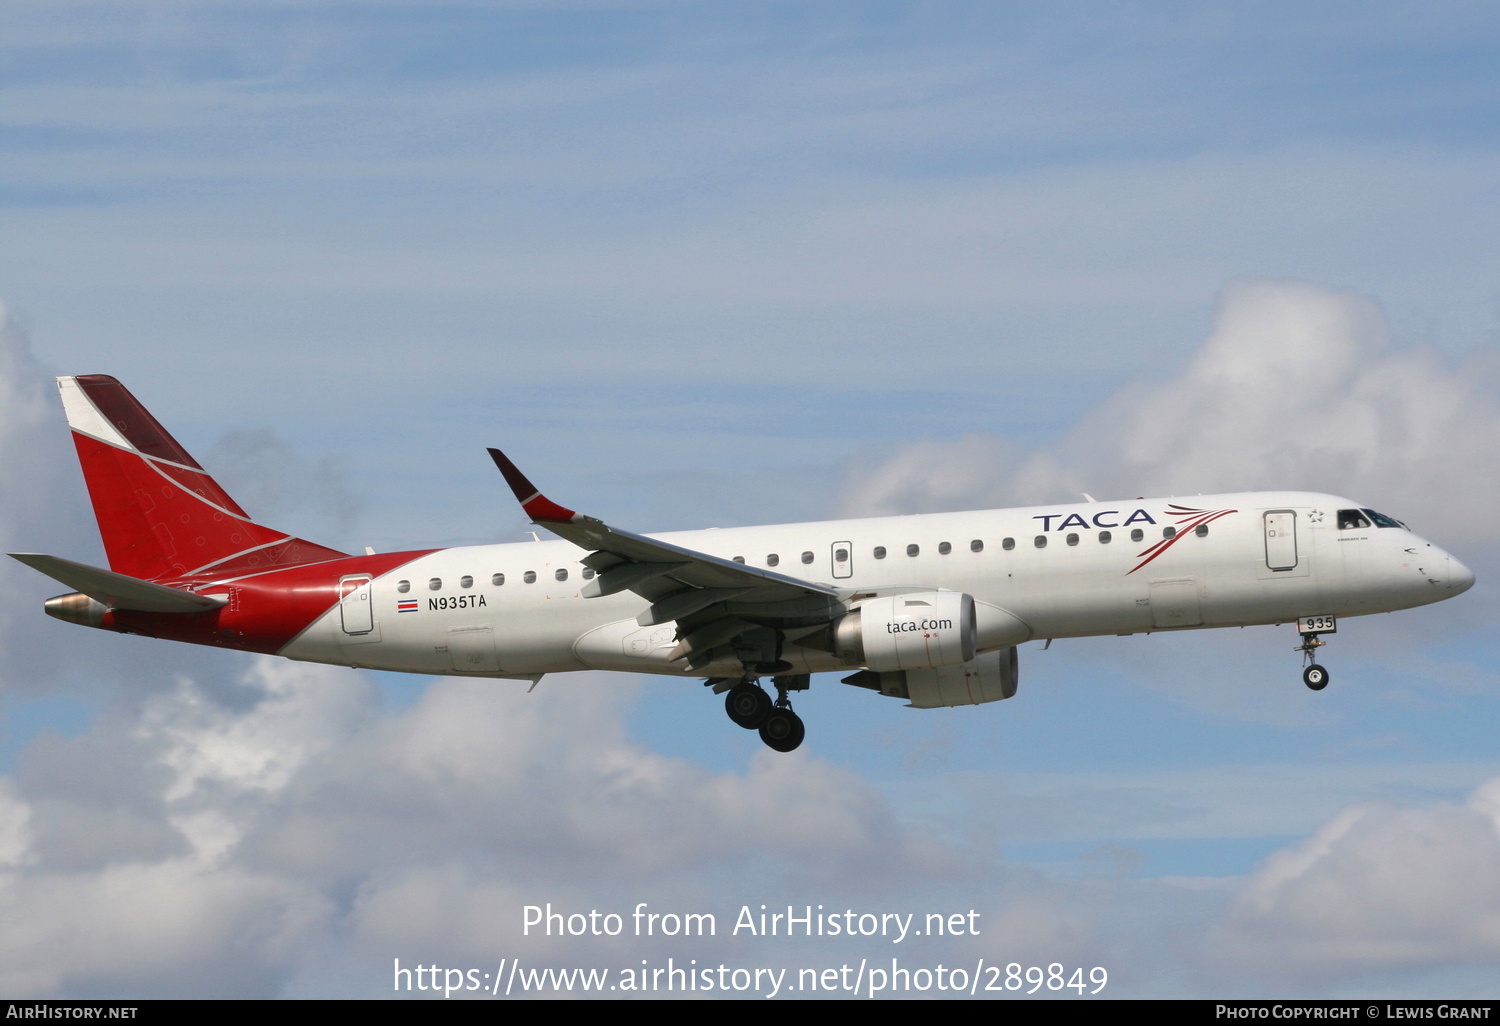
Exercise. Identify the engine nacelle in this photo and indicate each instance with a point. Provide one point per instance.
(988, 677)
(909, 632)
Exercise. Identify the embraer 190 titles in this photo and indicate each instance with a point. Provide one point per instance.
(925, 608)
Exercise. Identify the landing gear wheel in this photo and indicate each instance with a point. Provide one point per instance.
(748, 705)
(1315, 677)
(783, 730)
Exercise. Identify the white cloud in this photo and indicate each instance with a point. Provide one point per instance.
(225, 756)
(608, 808)
(15, 830)
(1297, 386)
(304, 815)
(1377, 887)
(168, 929)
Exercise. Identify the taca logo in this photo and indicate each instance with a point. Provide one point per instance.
(1188, 520)
(1140, 516)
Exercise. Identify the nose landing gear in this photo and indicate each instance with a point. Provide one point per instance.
(1310, 627)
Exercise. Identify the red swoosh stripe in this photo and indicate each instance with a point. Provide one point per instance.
(1195, 518)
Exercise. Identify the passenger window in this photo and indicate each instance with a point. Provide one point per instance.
(466, 581)
(529, 577)
(435, 584)
(1072, 539)
(497, 580)
(944, 548)
(1008, 544)
(807, 557)
(1104, 537)
(1041, 541)
(977, 545)
(1350, 519)
(773, 559)
(1201, 530)
(588, 574)
(1136, 534)
(841, 555)
(562, 574)
(1169, 532)
(879, 552)
(403, 586)
(912, 550)
(739, 559)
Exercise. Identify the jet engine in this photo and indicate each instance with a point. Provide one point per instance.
(908, 632)
(988, 677)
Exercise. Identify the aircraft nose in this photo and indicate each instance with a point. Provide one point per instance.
(1460, 577)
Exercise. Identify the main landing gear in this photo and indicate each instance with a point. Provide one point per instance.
(1313, 675)
(750, 707)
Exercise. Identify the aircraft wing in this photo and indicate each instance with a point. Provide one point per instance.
(716, 602)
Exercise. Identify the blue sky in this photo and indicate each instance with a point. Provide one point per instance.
(702, 265)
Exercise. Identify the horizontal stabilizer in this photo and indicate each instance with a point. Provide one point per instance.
(117, 590)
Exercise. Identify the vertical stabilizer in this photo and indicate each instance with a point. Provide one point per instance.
(160, 515)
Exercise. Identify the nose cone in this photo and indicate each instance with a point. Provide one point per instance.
(1460, 577)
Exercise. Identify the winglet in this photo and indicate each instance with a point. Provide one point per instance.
(537, 506)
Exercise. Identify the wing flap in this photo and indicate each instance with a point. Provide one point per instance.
(625, 576)
(682, 604)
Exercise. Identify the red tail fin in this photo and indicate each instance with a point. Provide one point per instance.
(159, 512)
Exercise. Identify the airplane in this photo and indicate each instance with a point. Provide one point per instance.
(927, 608)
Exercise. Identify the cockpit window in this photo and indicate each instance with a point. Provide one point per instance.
(1381, 520)
(1349, 519)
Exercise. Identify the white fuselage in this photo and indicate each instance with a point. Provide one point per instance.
(1040, 572)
